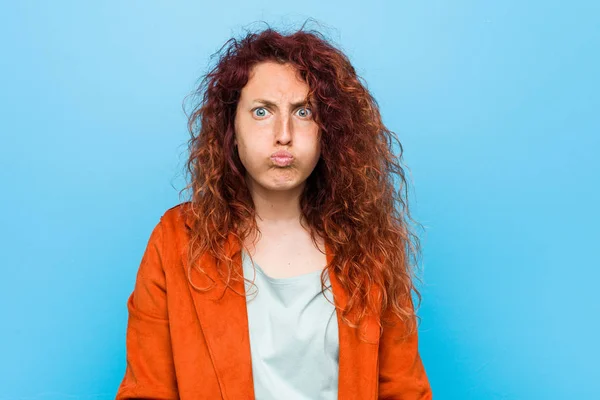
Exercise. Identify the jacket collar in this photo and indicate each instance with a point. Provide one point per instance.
(224, 320)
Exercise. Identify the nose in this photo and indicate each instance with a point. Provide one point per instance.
(283, 129)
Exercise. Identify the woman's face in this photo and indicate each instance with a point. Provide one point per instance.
(271, 117)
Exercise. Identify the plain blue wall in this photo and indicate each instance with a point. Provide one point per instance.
(497, 106)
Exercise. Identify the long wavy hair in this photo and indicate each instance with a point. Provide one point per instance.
(356, 197)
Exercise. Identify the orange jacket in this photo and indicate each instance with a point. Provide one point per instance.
(185, 344)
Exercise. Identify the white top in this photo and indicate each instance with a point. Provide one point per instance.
(293, 335)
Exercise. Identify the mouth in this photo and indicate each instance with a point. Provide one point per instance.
(282, 161)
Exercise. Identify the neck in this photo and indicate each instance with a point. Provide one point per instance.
(277, 207)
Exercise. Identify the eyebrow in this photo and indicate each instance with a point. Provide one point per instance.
(272, 104)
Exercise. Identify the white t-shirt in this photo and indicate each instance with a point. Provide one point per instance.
(293, 335)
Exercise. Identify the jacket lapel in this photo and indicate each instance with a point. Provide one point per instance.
(358, 360)
(224, 321)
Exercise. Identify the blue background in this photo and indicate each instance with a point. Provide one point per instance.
(497, 106)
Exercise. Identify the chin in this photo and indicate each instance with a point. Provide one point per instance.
(282, 187)
(278, 180)
(280, 184)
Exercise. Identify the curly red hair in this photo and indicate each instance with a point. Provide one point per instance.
(350, 198)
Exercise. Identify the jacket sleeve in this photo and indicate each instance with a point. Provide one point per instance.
(150, 372)
(401, 372)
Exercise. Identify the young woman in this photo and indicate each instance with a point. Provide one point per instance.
(288, 274)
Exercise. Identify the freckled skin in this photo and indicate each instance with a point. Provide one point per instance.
(261, 130)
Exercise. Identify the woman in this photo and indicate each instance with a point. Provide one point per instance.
(287, 275)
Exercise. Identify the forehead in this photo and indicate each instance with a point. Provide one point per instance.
(275, 81)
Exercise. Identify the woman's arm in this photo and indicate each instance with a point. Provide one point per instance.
(150, 373)
(401, 372)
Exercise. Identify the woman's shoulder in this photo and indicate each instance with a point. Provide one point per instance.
(177, 218)
(172, 229)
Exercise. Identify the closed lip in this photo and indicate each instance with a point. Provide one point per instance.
(282, 154)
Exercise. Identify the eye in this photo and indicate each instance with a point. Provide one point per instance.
(262, 111)
(306, 113)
